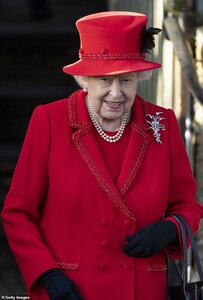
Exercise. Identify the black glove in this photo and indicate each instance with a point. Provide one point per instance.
(151, 239)
(59, 286)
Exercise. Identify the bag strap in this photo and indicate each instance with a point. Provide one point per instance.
(184, 228)
(193, 246)
(184, 258)
(177, 271)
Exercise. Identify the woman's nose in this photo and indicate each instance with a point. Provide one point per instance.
(115, 89)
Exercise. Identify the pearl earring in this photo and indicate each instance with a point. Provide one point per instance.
(85, 90)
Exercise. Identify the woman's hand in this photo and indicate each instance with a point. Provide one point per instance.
(59, 286)
(151, 239)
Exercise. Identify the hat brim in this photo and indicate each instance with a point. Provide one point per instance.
(108, 67)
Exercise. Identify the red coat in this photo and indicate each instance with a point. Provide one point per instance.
(64, 210)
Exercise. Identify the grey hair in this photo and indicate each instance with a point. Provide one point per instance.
(142, 75)
(80, 80)
(145, 75)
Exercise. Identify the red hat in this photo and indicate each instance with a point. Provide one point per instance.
(111, 44)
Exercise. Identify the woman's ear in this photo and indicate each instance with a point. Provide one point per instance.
(82, 82)
(85, 83)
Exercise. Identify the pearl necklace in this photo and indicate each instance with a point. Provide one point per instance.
(95, 121)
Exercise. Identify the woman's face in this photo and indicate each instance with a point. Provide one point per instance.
(112, 96)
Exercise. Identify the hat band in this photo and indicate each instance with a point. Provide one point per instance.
(111, 56)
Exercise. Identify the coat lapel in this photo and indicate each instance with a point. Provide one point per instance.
(137, 147)
(84, 138)
(85, 143)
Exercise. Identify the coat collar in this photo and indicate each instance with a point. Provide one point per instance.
(78, 115)
(84, 140)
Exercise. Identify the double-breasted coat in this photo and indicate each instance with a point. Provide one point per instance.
(64, 210)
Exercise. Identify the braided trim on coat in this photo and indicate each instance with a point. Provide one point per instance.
(69, 266)
(136, 167)
(84, 128)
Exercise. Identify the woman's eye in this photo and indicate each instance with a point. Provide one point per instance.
(105, 80)
(126, 80)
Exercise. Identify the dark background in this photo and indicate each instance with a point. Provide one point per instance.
(37, 38)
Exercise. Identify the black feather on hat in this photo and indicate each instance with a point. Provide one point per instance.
(147, 39)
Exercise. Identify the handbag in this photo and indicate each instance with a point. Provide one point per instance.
(178, 286)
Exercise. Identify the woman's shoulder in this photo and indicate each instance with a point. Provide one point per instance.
(157, 113)
(151, 107)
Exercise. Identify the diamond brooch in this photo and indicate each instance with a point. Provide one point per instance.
(156, 126)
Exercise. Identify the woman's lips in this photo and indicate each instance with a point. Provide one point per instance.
(113, 105)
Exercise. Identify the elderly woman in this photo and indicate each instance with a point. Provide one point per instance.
(89, 214)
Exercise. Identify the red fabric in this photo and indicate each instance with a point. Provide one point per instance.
(114, 153)
(110, 44)
(64, 209)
